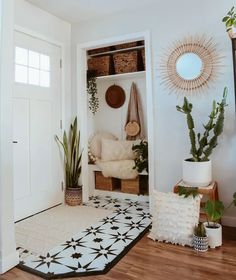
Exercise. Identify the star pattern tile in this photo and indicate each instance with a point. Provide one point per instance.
(97, 248)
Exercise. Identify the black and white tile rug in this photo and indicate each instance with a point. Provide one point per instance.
(98, 248)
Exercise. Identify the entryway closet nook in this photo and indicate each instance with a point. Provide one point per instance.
(117, 119)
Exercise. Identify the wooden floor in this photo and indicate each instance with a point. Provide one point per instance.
(149, 260)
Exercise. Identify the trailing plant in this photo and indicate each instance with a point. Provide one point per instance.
(141, 152)
(187, 191)
(215, 209)
(230, 19)
(92, 92)
(203, 145)
(72, 156)
(200, 230)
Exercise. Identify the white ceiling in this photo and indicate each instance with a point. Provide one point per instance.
(80, 10)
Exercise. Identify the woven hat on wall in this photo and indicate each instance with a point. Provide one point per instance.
(132, 128)
(115, 96)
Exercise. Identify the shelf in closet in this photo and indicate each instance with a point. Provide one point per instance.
(123, 76)
(118, 51)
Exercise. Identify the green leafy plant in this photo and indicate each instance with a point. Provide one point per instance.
(187, 191)
(215, 209)
(72, 156)
(200, 230)
(92, 92)
(141, 152)
(203, 145)
(230, 19)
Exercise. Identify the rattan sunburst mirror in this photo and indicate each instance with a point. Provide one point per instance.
(191, 65)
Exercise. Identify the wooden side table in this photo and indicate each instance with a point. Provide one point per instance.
(209, 192)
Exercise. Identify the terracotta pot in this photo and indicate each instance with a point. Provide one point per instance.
(73, 196)
(200, 243)
(197, 174)
(214, 234)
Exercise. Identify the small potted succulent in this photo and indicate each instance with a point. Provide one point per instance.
(214, 211)
(200, 238)
(230, 22)
(72, 164)
(197, 170)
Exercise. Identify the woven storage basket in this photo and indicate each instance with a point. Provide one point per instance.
(143, 57)
(102, 65)
(126, 62)
(106, 183)
(130, 186)
(73, 197)
(126, 46)
(99, 50)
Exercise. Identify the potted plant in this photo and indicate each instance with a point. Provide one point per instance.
(230, 22)
(141, 160)
(200, 238)
(92, 91)
(72, 164)
(197, 170)
(214, 211)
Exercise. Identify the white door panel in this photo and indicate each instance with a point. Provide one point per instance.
(21, 167)
(37, 114)
(41, 145)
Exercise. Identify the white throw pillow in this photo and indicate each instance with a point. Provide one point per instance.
(174, 217)
(117, 150)
(95, 143)
(122, 169)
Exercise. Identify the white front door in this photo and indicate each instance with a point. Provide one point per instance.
(36, 120)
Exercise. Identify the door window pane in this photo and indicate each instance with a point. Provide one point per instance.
(33, 76)
(44, 62)
(21, 56)
(44, 79)
(32, 68)
(21, 74)
(34, 59)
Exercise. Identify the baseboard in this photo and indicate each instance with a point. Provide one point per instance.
(9, 262)
(229, 221)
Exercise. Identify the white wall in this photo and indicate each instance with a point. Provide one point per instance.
(8, 255)
(40, 22)
(169, 21)
(113, 119)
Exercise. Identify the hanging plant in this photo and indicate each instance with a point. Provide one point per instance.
(92, 92)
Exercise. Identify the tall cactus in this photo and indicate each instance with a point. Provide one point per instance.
(214, 127)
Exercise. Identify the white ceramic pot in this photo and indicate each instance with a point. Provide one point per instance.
(214, 235)
(232, 33)
(197, 174)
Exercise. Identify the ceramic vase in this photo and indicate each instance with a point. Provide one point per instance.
(197, 174)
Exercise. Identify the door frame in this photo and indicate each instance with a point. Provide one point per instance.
(82, 98)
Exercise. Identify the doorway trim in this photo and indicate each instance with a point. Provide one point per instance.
(82, 110)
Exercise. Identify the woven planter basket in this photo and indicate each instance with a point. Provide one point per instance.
(126, 62)
(73, 196)
(102, 65)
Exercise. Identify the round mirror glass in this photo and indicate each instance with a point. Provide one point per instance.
(189, 66)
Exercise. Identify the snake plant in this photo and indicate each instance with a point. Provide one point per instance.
(72, 156)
